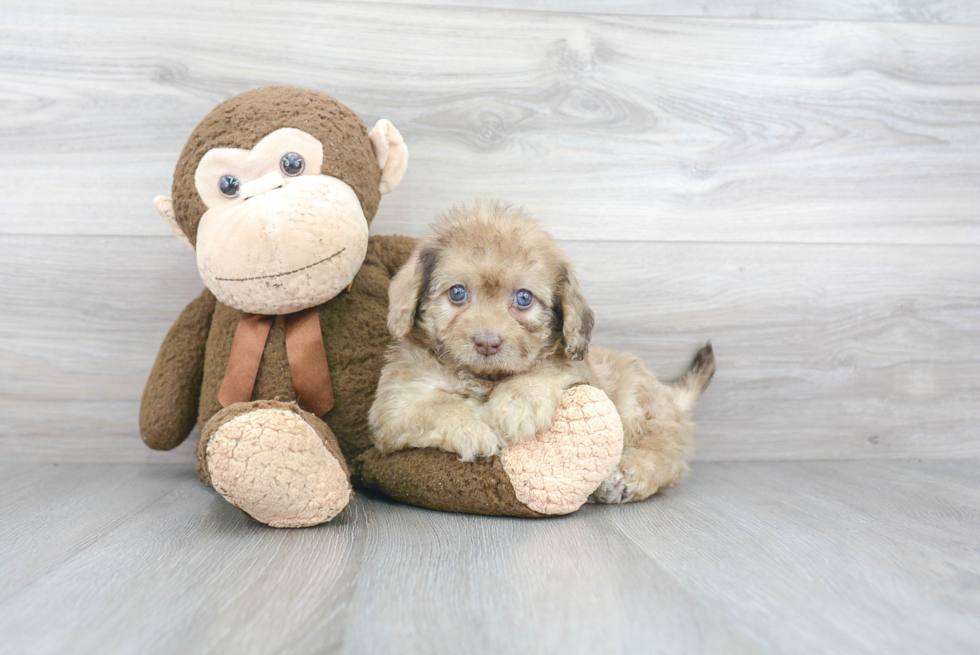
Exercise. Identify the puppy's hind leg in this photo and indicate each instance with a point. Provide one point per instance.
(640, 474)
(659, 434)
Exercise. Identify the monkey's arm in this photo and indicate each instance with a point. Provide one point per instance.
(169, 407)
(390, 251)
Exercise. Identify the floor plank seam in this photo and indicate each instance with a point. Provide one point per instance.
(654, 17)
(964, 245)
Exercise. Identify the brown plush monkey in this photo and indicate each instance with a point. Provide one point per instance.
(275, 190)
(278, 359)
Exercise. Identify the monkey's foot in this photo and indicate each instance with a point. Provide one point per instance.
(557, 470)
(270, 462)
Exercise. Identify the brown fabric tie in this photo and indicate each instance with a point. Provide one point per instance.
(308, 361)
(243, 364)
(304, 349)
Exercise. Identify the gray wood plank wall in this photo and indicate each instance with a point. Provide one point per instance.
(803, 192)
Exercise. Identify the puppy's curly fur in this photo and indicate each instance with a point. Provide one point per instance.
(473, 369)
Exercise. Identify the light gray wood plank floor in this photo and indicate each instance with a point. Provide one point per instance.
(743, 557)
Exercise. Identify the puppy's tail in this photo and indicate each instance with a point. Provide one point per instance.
(692, 384)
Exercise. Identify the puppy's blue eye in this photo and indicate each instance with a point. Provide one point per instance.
(523, 298)
(457, 293)
(229, 186)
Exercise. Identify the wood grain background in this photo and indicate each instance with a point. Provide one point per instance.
(799, 182)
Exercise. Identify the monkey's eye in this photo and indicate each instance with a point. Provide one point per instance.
(523, 298)
(292, 164)
(458, 293)
(229, 186)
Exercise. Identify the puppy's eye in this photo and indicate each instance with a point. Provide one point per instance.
(292, 164)
(523, 298)
(229, 186)
(457, 293)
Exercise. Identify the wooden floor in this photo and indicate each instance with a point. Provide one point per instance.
(794, 557)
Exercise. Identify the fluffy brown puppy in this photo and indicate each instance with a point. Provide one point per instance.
(491, 329)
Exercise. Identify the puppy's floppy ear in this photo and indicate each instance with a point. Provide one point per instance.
(576, 317)
(407, 290)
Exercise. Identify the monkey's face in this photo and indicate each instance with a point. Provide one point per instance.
(274, 190)
(278, 236)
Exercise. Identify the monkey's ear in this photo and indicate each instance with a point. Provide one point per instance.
(392, 154)
(165, 207)
(577, 318)
(407, 287)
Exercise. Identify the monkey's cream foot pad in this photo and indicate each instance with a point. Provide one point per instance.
(272, 465)
(557, 470)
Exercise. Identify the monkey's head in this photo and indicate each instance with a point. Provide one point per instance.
(275, 190)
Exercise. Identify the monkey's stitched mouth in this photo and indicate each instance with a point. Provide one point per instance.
(274, 275)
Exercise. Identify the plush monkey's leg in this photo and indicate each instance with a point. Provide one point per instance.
(553, 473)
(433, 478)
(278, 464)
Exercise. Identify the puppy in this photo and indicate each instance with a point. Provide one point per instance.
(490, 328)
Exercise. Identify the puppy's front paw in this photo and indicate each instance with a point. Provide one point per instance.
(471, 440)
(613, 490)
(519, 413)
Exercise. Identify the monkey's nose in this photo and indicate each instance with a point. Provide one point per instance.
(487, 344)
(267, 182)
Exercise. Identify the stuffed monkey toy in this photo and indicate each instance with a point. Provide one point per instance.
(279, 357)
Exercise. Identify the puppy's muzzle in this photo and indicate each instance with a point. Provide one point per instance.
(487, 344)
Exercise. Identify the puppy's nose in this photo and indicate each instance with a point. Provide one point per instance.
(487, 344)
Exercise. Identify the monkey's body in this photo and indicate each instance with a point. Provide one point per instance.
(354, 337)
